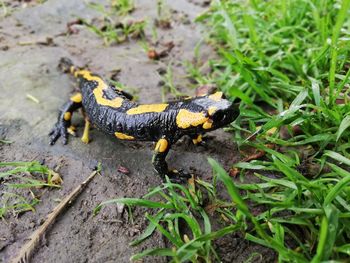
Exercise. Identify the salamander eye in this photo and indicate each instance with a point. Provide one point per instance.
(219, 116)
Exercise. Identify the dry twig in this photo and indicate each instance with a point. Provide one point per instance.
(27, 250)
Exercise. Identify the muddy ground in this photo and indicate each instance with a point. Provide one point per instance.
(33, 37)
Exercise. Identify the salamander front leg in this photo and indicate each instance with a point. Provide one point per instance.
(160, 152)
(197, 139)
(63, 124)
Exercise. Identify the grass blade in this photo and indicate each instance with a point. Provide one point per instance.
(165, 252)
(345, 123)
(345, 249)
(134, 202)
(337, 157)
(339, 187)
(148, 231)
(328, 232)
(343, 12)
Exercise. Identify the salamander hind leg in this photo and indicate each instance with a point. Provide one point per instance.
(63, 125)
(160, 165)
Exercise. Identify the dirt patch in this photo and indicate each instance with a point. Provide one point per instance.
(32, 39)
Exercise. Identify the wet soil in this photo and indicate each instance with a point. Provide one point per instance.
(33, 37)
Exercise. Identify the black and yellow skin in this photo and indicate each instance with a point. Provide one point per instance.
(112, 111)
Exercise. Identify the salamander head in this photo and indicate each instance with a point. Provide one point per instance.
(207, 113)
(219, 110)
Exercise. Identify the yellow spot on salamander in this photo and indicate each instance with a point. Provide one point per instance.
(162, 145)
(82, 73)
(123, 136)
(208, 124)
(98, 91)
(217, 96)
(115, 103)
(147, 108)
(67, 116)
(185, 118)
(212, 110)
(198, 139)
(77, 98)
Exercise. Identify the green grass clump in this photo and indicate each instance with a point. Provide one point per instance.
(292, 58)
(181, 217)
(271, 51)
(112, 26)
(288, 62)
(309, 217)
(123, 7)
(169, 87)
(18, 183)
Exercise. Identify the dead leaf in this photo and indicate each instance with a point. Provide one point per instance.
(192, 186)
(233, 172)
(206, 89)
(56, 178)
(123, 170)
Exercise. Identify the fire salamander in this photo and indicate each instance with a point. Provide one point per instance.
(113, 111)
